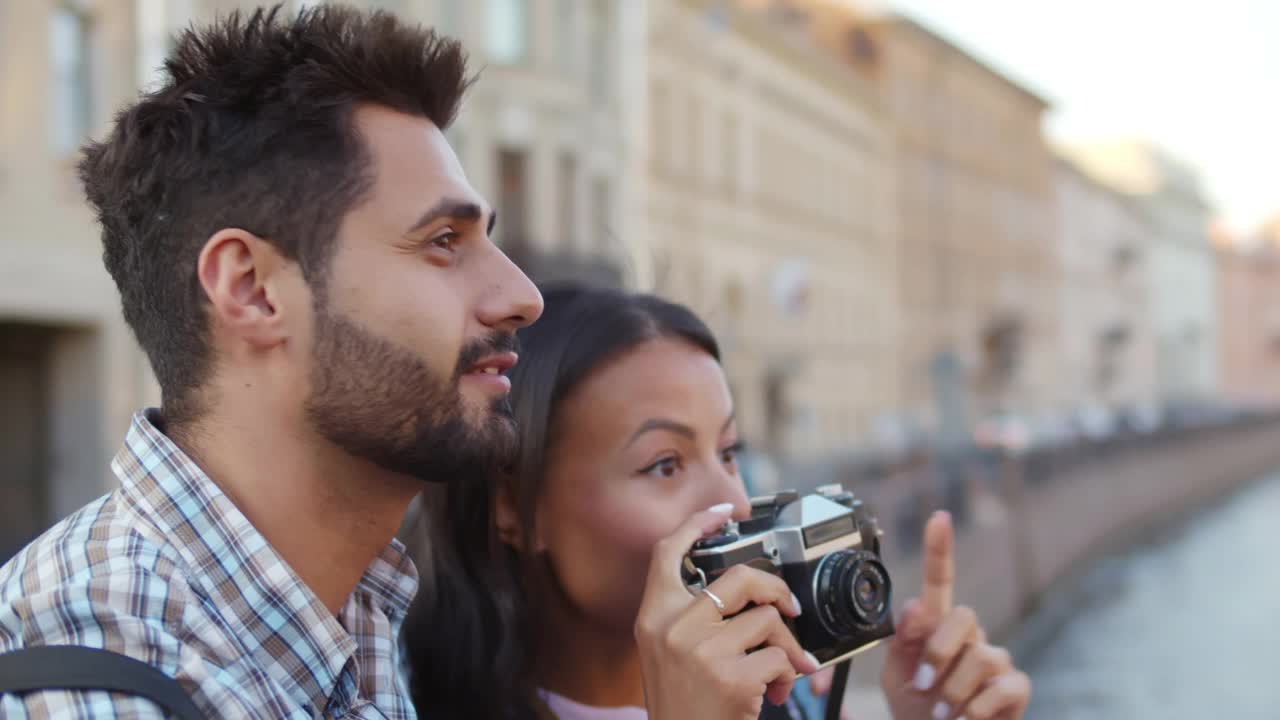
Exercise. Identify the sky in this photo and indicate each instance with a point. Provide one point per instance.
(1201, 79)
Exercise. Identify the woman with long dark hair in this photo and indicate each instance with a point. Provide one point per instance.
(552, 593)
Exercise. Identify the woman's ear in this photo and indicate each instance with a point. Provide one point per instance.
(511, 529)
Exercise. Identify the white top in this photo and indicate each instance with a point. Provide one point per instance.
(566, 709)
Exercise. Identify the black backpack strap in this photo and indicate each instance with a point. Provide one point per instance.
(67, 667)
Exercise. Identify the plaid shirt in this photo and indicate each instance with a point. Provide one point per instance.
(167, 570)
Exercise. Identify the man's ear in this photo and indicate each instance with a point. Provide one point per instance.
(510, 526)
(242, 275)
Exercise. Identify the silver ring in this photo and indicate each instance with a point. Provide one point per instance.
(718, 602)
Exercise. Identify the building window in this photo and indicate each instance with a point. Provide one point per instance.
(155, 18)
(599, 39)
(568, 191)
(863, 47)
(697, 141)
(567, 26)
(509, 31)
(513, 198)
(455, 139)
(729, 151)
(449, 17)
(602, 230)
(26, 359)
(70, 43)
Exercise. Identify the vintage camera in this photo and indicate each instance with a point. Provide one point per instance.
(826, 546)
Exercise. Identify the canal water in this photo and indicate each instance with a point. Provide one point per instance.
(1185, 626)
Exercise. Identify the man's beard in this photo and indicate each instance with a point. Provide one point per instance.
(379, 401)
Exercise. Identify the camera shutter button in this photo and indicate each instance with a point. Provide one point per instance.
(716, 541)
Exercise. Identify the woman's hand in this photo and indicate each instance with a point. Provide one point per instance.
(695, 663)
(940, 665)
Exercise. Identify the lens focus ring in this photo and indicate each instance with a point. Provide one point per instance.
(852, 591)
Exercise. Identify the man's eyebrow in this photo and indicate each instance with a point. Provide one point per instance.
(451, 208)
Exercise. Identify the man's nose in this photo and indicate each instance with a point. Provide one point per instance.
(513, 300)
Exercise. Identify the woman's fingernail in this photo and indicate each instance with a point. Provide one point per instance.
(813, 661)
(722, 508)
(795, 602)
(941, 711)
(924, 677)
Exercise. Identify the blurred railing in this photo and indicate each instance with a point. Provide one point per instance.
(904, 488)
(1029, 523)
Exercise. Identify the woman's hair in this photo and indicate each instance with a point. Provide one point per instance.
(471, 637)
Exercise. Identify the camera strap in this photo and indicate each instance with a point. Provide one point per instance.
(835, 698)
(66, 667)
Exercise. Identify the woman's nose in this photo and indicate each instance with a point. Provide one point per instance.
(729, 488)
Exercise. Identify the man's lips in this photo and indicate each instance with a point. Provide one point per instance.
(496, 364)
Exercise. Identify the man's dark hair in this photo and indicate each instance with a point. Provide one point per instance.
(251, 128)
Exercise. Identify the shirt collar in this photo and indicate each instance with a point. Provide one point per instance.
(392, 580)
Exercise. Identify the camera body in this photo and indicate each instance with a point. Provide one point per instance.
(826, 546)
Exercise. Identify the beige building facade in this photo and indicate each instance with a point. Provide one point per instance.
(1181, 267)
(976, 280)
(841, 231)
(1108, 354)
(770, 202)
(977, 273)
(1249, 317)
(69, 367)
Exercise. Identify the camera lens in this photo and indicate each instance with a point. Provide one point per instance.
(864, 592)
(852, 590)
(870, 594)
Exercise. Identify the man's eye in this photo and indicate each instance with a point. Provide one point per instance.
(446, 241)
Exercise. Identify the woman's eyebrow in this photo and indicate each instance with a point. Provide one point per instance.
(671, 426)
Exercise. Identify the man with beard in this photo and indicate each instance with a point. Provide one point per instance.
(310, 274)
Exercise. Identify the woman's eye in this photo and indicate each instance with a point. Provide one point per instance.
(729, 455)
(666, 467)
